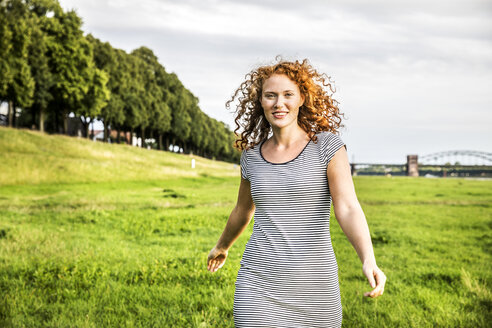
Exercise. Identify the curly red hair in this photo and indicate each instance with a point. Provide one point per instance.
(318, 113)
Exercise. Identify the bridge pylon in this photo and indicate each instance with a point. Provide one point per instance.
(412, 165)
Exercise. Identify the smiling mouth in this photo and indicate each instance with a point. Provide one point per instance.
(279, 114)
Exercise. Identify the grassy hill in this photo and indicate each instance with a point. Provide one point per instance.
(31, 157)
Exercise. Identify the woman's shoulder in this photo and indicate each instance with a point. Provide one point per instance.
(247, 151)
(328, 144)
(324, 136)
(251, 149)
(248, 158)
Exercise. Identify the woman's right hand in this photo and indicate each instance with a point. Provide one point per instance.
(216, 259)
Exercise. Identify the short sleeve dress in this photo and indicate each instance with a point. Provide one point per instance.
(289, 275)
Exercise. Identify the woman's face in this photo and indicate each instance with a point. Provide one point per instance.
(281, 99)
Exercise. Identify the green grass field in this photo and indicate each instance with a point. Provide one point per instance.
(96, 235)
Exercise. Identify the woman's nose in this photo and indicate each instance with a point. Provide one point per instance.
(279, 103)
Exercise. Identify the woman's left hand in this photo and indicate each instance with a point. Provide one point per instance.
(376, 278)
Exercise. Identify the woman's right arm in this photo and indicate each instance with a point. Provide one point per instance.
(238, 221)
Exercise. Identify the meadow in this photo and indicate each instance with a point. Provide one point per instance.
(97, 235)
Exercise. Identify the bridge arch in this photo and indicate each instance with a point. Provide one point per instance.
(463, 157)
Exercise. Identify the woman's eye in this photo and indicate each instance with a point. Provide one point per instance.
(289, 94)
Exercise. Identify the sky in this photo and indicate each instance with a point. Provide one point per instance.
(411, 77)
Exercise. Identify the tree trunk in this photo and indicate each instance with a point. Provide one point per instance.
(166, 142)
(117, 135)
(92, 120)
(41, 119)
(57, 122)
(15, 120)
(131, 136)
(11, 112)
(173, 142)
(106, 132)
(33, 118)
(85, 126)
(160, 141)
(65, 123)
(152, 137)
(142, 130)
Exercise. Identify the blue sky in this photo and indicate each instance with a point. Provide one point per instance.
(412, 77)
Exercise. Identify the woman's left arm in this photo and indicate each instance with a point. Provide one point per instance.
(351, 218)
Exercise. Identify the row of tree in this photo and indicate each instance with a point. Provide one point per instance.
(50, 69)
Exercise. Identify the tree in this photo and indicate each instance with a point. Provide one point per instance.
(112, 62)
(17, 86)
(207, 136)
(39, 58)
(181, 120)
(156, 83)
(6, 46)
(133, 99)
(94, 100)
(70, 61)
(197, 123)
(119, 84)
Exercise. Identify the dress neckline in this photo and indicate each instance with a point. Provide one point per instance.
(261, 145)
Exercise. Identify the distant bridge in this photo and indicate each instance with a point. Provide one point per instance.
(464, 163)
(464, 157)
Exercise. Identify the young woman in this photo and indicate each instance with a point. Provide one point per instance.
(293, 165)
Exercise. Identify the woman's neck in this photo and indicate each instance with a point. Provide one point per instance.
(288, 136)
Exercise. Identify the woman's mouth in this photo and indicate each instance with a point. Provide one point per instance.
(279, 115)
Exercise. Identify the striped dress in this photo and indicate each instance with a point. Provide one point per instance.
(289, 274)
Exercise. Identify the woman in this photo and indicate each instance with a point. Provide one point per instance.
(292, 166)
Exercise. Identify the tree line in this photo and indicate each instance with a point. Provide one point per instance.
(49, 69)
